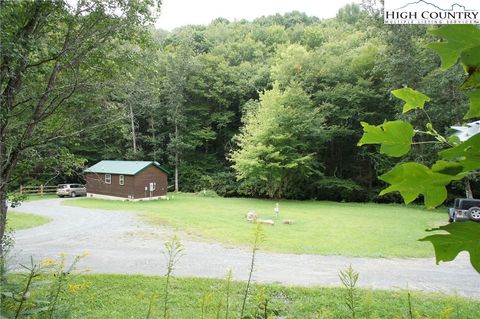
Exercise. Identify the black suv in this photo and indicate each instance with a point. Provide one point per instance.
(464, 209)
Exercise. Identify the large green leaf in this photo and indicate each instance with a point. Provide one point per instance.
(467, 153)
(459, 38)
(463, 41)
(413, 99)
(471, 62)
(414, 179)
(447, 168)
(463, 236)
(395, 137)
(474, 110)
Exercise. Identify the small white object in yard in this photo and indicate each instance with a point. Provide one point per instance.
(266, 222)
(465, 132)
(251, 216)
(288, 222)
(276, 210)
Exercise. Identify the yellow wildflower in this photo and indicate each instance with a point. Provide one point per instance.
(47, 262)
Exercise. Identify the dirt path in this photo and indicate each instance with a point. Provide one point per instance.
(118, 242)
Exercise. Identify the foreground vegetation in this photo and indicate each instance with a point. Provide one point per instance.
(318, 227)
(18, 220)
(122, 296)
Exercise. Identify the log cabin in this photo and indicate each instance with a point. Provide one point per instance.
(132, 180)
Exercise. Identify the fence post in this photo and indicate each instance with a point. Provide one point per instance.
(41, 190)
(21, 189)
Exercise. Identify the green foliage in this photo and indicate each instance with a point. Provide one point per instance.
(395, 137)
(462, 42)
(273, 148)
(474, 104)
(225, 184)
(258, 239)
(350, 13)
(94, 296)
(459, 39)
(413, 99)
(290, 65)
(461, 237)
(413, 179)
(30, 295)
(338, 189)
(173, 252)
(56, 77)
(349, 278)
(467, 154)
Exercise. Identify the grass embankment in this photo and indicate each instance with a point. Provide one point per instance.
(18, 220)
(329, 228)
(122, 296)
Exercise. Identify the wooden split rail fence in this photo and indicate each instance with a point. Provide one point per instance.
(40, 190)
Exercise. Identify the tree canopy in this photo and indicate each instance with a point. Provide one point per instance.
(282, 96)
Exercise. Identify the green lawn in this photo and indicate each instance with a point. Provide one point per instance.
(18, 220)
(328, 228)
(123, 296)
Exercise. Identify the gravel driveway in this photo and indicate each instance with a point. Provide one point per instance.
(119, 242)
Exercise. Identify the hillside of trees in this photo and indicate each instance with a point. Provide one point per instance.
(267, 108)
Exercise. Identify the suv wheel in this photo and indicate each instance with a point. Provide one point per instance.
(474, 213)
(73, 194)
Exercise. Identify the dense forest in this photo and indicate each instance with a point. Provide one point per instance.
(264, 108)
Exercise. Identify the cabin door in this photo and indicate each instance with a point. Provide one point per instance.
(152, 186)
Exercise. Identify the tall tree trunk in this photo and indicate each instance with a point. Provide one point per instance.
(132, 122)
(8, 162)
(176, 159)
(468, 189)
(154, 144)
(3, 217)
(7, 100)
(3, 185)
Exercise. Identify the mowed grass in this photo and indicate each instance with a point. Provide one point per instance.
(328, 228)
(123, 296)
(18, 220)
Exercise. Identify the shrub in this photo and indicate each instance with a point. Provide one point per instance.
(225, 184)
(337, 189)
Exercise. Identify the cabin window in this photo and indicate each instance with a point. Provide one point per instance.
(121, 179)
(108, 179)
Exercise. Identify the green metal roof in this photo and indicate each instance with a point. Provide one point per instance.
(122, 167)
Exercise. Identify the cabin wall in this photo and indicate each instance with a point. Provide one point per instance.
(150, 175)
(96, 185)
